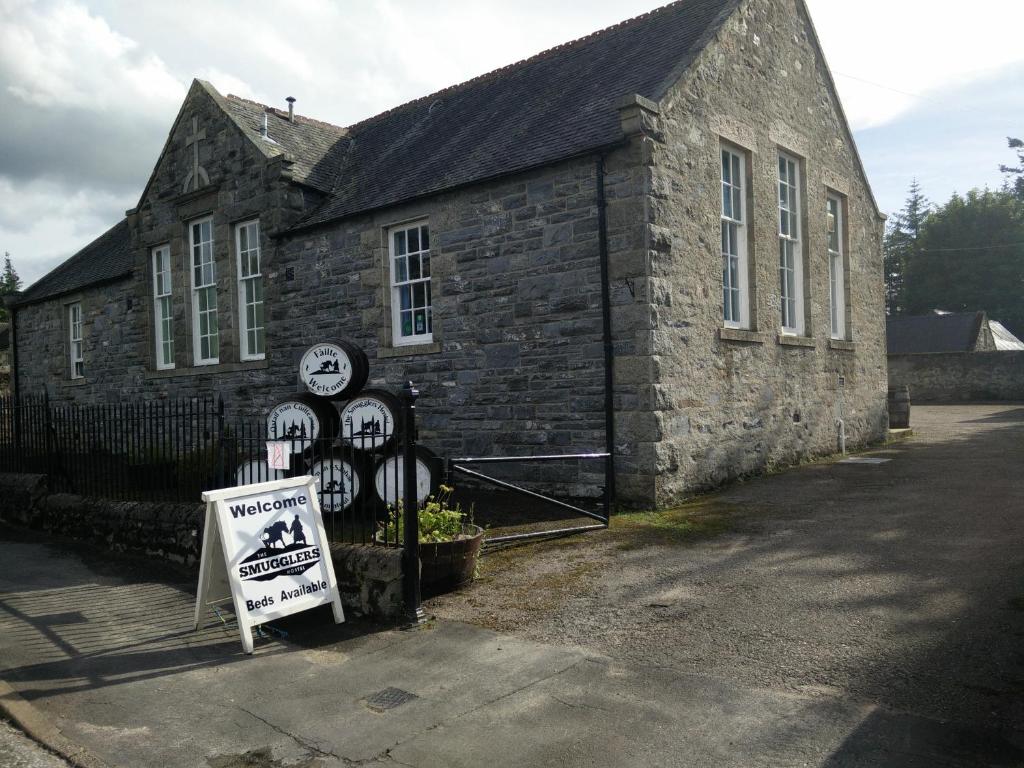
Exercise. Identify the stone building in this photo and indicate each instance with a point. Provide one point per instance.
(659, 237)
(950, 357)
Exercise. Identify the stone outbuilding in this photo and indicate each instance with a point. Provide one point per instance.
(658, 238)
(948, 357)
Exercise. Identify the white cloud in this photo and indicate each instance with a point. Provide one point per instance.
(60, 55)
(919, 47)
(41, 223)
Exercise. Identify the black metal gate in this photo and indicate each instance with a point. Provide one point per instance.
(460, 466)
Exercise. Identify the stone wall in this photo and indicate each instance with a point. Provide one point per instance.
(369, 578)
(960, 376)
(517, 363)
(730, 403)
(118, 325)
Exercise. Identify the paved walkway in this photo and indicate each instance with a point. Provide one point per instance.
(854, 615)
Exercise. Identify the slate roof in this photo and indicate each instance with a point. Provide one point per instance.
(106, 258)
(316, 149)
(933, 333)
(556, 105)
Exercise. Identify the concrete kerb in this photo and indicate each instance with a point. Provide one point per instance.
(39, 728)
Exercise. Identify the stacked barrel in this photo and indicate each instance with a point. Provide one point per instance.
(348, 438)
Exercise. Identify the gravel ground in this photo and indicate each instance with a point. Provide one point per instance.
(900, 584)
(19, 751)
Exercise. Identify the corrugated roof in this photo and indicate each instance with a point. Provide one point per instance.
(1005, 341)
(933, 333)
(106, 258)
(556, 105)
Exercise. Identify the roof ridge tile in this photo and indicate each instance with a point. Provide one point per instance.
(281, 113)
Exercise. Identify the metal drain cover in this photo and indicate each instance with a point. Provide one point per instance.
(389, 698)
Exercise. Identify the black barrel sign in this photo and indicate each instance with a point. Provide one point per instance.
(302, 418)
(339, 483)
(369, 422)
(335, 370)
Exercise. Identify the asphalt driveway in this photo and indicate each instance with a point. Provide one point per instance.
(864, 614)
(897, 584)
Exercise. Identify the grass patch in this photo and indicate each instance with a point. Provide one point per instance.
(694, 521)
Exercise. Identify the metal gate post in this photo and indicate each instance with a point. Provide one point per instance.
(221, 446)
(410, 511)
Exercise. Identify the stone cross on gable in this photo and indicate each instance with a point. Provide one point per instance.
(197, 177)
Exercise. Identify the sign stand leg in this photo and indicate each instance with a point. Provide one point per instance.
(339, 614)
(206, 566)
(246, 631)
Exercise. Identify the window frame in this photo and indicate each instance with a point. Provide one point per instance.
(790, 217)
(163, 325)
(740, 238)
(246, 354)
(196, 312)
(76, 340)
(396, 285)
(839, 326)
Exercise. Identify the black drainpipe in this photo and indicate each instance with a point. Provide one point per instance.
(609, 351)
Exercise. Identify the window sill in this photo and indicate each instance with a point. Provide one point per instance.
(386, 353)
(81, 381)
(797, 341)
(203, 370)
(842, 346)
(741, 335)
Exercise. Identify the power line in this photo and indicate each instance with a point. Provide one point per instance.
(976, 248)
(879, 85)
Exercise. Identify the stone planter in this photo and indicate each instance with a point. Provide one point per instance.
(448, 565)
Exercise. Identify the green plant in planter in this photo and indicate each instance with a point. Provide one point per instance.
(439, 519)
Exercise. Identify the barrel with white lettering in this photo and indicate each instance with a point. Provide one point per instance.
(302, 419)
(334, 370)
(370, 421)
(340, 480)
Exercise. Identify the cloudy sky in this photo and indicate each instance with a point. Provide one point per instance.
(90, 87)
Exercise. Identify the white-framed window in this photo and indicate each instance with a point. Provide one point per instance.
(75, 347)
(791, 268)
(205, 328)
(252, 331)
(836, 228)
(163, 331)
(411, 307)
(735, 271)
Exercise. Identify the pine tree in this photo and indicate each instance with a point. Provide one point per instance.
(1018, 183)
(900, 246)
(9, 283)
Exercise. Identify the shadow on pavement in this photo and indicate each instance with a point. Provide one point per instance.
(92, 633)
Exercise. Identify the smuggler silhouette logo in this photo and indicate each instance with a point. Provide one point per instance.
(278, 558)
(326, 370)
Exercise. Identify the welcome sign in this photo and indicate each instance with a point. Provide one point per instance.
(265, 550)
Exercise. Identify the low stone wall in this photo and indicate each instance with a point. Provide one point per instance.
(959, 376)
(369, 578)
